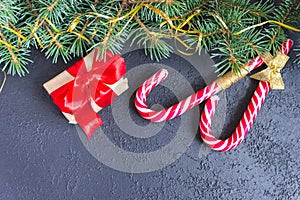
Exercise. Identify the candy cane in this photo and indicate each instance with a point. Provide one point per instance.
(178, 109)
(208, 93)
(175, 110)
(186, 104)
(244, 126)
(246, 122)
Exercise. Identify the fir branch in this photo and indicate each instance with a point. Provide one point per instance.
(17, 67)
(151, 1)
(153, 45)
(105, 43)
(14, 58)
(198, 7)
(282, 14)
(31, 8)
(58, 49)
(51, 7)
(66, 28)
(142, 25)
(258, 9)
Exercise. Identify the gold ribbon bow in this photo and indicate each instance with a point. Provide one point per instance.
(272, 73)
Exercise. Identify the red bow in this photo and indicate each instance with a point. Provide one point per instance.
(89, 86)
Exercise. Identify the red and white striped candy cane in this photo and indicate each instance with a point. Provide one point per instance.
(175, 110)
(244, 126)
(247, 120)
(188, 103)
(183, 106)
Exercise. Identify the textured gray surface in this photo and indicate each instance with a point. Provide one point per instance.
(42, 157)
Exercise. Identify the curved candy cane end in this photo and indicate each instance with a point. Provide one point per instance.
(156, 79)
(290, 42)
(164, 71)
(163, 74)
(215, 98)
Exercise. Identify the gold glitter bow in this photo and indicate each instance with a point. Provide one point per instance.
(272, 73)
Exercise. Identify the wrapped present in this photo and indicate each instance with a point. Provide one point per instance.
(88, 86)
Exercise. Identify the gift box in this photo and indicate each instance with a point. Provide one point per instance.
(87, 87)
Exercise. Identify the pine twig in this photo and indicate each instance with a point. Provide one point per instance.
(112, 27)
(240, 8)
(197, 7)
(14, 58)
(231, 58)
(288, 12)
(88, 21)
(45, 24)
(168, 2)
(50, 8)
(148, 33)
(3, 82)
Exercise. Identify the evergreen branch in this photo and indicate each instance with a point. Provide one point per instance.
(31, 7)
(198, 7)
(104, 44)
(151, 1)
(59, 50)
(260, 9)
(72, 27)
(157, 48)
(79, 46)
(14, 58)
(142, 25)
(277, 37)
(51, 7)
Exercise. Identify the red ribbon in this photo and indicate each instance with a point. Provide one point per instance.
(76, 96)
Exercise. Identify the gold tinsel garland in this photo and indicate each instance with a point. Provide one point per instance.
(176, 26)
(174, 31)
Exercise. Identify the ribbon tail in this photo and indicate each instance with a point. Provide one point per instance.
(277, 82)
(262, 75)
(88, 120)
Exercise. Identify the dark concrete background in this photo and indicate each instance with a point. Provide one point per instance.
(42, 157)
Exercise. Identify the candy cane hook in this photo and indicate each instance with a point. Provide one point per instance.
(245, 123)
(242, 129)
